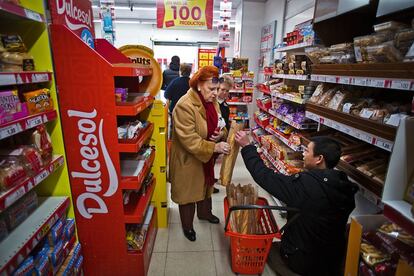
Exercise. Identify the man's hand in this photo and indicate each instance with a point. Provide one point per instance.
(217, 135)
(242, 138)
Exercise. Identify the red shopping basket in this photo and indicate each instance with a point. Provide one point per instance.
(249, 252)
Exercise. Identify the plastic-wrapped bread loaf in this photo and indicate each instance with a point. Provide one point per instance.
(229, 160)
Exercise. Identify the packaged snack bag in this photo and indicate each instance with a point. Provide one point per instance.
(39, 100)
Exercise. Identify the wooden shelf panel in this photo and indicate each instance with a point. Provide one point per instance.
(380, 135)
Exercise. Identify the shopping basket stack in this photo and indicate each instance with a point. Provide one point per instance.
(249, 251)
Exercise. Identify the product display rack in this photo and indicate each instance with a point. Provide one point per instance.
(100, 113)
(52, 181)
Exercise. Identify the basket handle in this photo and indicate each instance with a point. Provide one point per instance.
(278, 208)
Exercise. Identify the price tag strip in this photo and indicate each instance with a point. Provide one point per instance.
(270, 130)
(11, 196)
(291, 77)
(288, 98)
(278, 165)
(400, 84)
(359, 134)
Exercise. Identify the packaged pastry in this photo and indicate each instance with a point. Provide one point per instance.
(30, 157)
(317, 93)
(135, 238)
(326, 97)
(42, 266)
(78, 266)
(337, 100)
(361, 42)
(390, 26)
(69, 229)
(379, 114)
(12, 58)
(12, 172)
(397, 232)
(25, 268)
(55, 233)
(5, 67)
(396, 248)
(13, 43)
(404, 35)
(316, 53)
(39, 100)
(371, 255)
(30, 201)
(41, 139)
(342, 47)
(121, 94)
(383, 53)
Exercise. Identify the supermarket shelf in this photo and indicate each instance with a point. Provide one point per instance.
(282, 138)
(390, 83)
(134, 182)
(288, 97)
(135, 104)
(239, 118)
(20, 12)
(237, 103)
(237, 91)
(295, 47)
(384, 71)
(259, 123)
(380, 135)
(11, 128)
(137, 207)
(136, 144)
(16, 78)
(399, 212)
(261, 107)
(130, 70)
(12, 195)
(291, 122)
(291, 77)
(279, 165)
(21, 241)
(66, 250)
(263, 88)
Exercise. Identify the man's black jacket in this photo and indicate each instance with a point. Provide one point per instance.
(325, 198)
(225, 113)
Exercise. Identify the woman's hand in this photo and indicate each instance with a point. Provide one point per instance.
(217, 135)
(222, 147)
(242, 138)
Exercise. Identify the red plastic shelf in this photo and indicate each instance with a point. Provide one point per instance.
(20, 125)
(134, 182)
(134, 107)
(18, 245)
(259, 123)
(12, 195)
(12, 9)
(130, 70)
(136, 144)
(16, 78)
(282, 137)
(137, 207)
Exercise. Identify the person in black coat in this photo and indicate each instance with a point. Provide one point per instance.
(314, 243)
(178, 87)
(226, 83)
(171, 73)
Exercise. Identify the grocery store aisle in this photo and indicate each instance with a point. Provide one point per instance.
(210, 254)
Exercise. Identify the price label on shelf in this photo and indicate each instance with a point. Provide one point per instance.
(366, 137)
(360, 81)
(13, 197)
(384, 144)
(33, 15)
(378, 83)
(346, 130)
(32, 122)
(41, 176)
(344, 80)
(10, 130)
(331, 79)
(401, 84)
(40, 77)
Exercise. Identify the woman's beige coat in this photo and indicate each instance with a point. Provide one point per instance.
(189, 150)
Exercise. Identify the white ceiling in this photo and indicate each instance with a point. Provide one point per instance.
(145, 10)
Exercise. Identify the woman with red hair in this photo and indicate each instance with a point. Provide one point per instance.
(198, 130)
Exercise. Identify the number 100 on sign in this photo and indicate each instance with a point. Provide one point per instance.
(185, 14)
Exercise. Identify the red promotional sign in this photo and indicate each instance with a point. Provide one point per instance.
(76, 15)
(185, 14)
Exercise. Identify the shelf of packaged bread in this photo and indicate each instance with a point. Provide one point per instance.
(135, 210)
(380, 75)
(289, 97)
(367, 182)
(10, 196)
(237, 103)
(19, 125)
(131, 70)
(13, 10)
(291, 77)
(282, 137)
(289, 121)
(133, 145)
(133, 172)
(24, 77)
(135, 104)
(23, 239)
(295, 47)
(369, 131)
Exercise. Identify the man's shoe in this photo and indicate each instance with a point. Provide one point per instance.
(216, 191)
(190, 234)
(213, 219)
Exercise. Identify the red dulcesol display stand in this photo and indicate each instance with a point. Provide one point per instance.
(86, 81)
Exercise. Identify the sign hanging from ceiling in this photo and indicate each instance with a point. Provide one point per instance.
(76, 15)
(185, 14)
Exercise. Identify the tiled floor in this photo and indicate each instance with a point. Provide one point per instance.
(210, 254)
